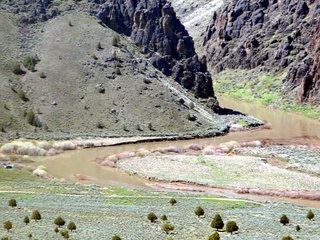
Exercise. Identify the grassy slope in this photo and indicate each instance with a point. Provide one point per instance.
(264, 88)
(72, 79)
(100, 213)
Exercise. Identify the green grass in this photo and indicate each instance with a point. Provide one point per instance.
(262, 88)
(17, 175)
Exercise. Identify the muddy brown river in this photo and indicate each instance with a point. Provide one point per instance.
(284, 125)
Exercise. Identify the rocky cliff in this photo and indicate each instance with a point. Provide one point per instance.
(269, 34)
(153, 26)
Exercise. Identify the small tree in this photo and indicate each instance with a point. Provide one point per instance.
(167, 227)
(284, 219)
(31, 118)
(12, 203)
(15, 68)
(298, 228)
(59, 221)
(29, 62)
(29, 235)
(287, 238)
(172, 201)
(116, 237)
(64, 233)
(310, 215)
(7, 225)
(217, 222)
(214, 236)
(115, 40)
(56, 230)
(199, 211)
(164, 218)
(71, 226)
(5, 238)
(36, 215)
(191, 105)
(231, 227)
(26, 220)
(152, 217)
(98, 46)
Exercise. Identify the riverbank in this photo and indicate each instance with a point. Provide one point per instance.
(247, 167)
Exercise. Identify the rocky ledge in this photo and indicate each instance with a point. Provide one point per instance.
(155, 29)
(273, 35)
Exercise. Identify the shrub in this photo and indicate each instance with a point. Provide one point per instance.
(29, 235)
(172, 201)
(214, 236)
(167, 227)
(64, 233)
(150, 127)
(94, 57)
(71, 226)
(29, 62)
(298, 228)
(100, 125)
(231, 227)
(164, 218)
(199, 211)
(287, 238)
(15, 68)
(56, 230)
(116, 237)
(152, 217)
(42, 75)
(217, 222)
(36, 215)
(59, 221)
(115, 40)
(284, 219)
(5, 238)
(191, 105)
(118, 72)
(26, 220)
(70, 24)
(98, 46)
(12, 203)
(7, 225)
(31, 118)
(22, 95)
(138, 127)
(310, 215)
(125, 128)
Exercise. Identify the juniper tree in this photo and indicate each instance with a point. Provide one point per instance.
(231, 227)
(310, 215)
(71, 226)
(59, 221)
(7, 225)
(12, 203)
(199, 211)
(36, 215)
(172, 201)
(214, 236)
(26, 220)
(217, 222)
(152, 217)
(284, 219)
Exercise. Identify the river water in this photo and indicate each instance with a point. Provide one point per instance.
(284, 125)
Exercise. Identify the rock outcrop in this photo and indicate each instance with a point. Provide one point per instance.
(153, 26)
(271, 34)
(32, 11)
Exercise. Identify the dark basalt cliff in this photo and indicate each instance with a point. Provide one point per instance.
(275, 35)
(153, 26)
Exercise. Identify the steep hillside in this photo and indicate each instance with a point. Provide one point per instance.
(79, 77)
(270, 37)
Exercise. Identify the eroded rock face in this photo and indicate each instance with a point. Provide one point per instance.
(33, 11)
(271, 34)
(153, 26)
